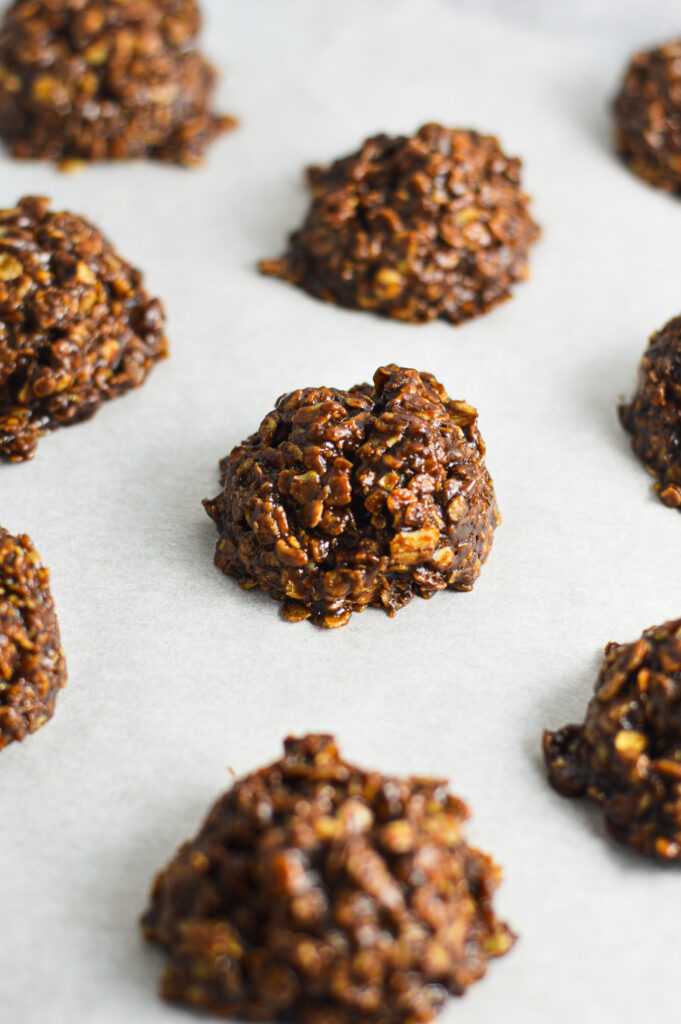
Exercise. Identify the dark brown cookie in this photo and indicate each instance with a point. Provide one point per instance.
(627, 754)
(414, 228)
(321, 893)
(653, 417)
(648, 116)
(105, 80)
(32, 663)
(76, 326)
(345, 499)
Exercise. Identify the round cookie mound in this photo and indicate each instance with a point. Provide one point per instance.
(321, 893)
(627, 754)
(76, 326)
(414, 228)
(105, 80)
(648, 116)
(653, 417)
(344, 499)
(32, 663)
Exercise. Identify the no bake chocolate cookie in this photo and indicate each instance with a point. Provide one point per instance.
(321, 893)
(344, 499)
(77, 327)
(648, 116)
(435, 225)
(653, 417)
(84, 80)
(627, 754)
(32, 663)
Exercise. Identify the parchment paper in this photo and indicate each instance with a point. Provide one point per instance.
(176, 674)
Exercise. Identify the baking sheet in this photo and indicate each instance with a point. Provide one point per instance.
(176, 674)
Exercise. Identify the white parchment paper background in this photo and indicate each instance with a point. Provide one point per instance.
(176, 674)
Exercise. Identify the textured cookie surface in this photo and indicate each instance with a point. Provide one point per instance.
(344, 499)
(435, 225)
(76, 325)
(627, 754)
(32, 663)
(322, 893)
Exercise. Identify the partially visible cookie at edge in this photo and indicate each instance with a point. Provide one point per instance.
(32, 662)
(626, 755)
(91, 80)
(77, 327)
(647, 113)
(653, 416)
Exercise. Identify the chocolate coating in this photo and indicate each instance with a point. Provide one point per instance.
(32, 663)
(648, 116)
(435, 225)
(653, 417)
(322, 893)
(84, 80)
(627, 754)
(76, 326)
(344, 499)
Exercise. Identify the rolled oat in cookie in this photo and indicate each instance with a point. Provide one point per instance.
(321, 893)
(435, 225)
(344, 499)
(86, 80)
(32, 663)
(77, 327)
(627, 754)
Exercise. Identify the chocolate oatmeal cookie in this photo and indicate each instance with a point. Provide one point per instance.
(648, 116)
(84, 80)
(32, 663)
(627, 754)
(344, 499)
(76, 325)
(322, 893)
(435, 225)
(653, 417)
